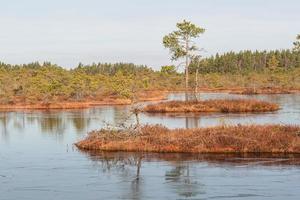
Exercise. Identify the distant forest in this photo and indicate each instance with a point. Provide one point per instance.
(231, 62)
(244, 61)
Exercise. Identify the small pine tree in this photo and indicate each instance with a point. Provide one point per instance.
(168, 69)
(297, 44)
(181, 44)
(273, 63)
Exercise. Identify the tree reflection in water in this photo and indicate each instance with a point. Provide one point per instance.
(80, 121)
(178, 178)
(127, 166)
(4, 120)
(52, 124)
(181, 180)
(180, 175)
(59, 122)
(8, 119)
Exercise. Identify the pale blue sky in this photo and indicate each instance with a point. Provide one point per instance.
(67, 32)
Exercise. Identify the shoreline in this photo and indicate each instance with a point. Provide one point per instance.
(208, 106)
(107, 101)
(245, 90)
(218, 139)
(215, 158)
(64, 105)
(156, 95)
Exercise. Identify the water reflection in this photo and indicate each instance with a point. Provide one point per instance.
(127, 167)
(288, 114)
(180, 179)
(81, 121)
(37, 160)
(112, 160)
(4, 120)
(182, 176)
(52, 124)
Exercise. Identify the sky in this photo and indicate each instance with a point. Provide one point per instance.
(67, 32)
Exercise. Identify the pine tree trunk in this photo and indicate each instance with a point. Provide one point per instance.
(196, 85)
(187, 68)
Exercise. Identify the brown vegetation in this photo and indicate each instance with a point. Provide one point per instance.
(152, 95)
(65, 104)
(88, 102)
(221, 139)
(265, 90)
(224, 106)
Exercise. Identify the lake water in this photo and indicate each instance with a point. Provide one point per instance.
(38, 159)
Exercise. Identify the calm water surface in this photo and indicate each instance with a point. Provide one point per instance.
(38, 160)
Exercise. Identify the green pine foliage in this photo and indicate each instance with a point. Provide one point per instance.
(247, 61)
(48, 82)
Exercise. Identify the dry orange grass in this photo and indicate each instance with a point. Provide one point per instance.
(265, 90)
(152, 95)
(65, 105)
(224, 106)
(85, 103)
(225, 139)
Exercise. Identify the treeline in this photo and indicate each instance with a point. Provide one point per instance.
(247, 61)
(48, 82)
(111, 69)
